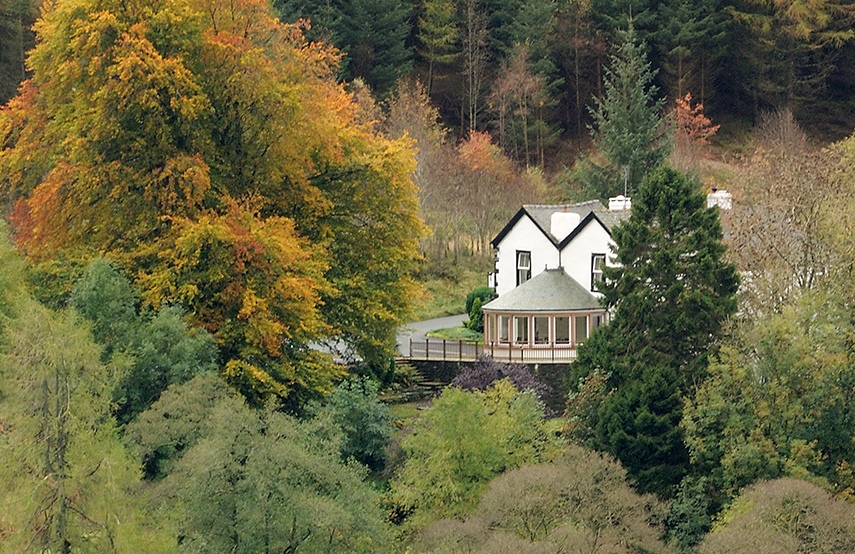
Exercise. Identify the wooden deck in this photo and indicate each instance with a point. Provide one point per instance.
(446, 350)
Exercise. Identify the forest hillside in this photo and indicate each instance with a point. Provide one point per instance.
(217, 216)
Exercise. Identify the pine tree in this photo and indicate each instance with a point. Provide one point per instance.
(439, 36)
(373, 35)
(629, 128)
(671, 292)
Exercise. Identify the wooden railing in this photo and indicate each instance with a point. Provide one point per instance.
(447, 350)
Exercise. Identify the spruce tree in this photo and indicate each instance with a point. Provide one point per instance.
(438, 35)
(670, 293)
(629, 129)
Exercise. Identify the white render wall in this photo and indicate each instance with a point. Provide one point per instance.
(576, 256)
(524, 236)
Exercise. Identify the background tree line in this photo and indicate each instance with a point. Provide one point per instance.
(526, 71)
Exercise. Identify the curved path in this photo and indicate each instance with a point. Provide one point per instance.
(420, 329)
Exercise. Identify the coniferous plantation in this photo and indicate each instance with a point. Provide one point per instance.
(217, 215)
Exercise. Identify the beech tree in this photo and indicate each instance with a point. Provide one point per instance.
(197, 136)
(671, 291)
(692, 132)
(784, 516)
(581, 502)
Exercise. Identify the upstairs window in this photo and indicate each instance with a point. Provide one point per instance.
(598, 262)
(523, 266)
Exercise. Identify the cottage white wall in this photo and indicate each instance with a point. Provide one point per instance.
(526, 236)
(576, 256)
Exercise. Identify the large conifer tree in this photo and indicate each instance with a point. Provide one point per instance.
(629, 130)
(670, 295)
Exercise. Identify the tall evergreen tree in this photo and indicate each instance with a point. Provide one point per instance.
(671, 292)
(373, 34)
(438, 35)
(790, 49)
(629, 129)
(16, 38)
(689, 43)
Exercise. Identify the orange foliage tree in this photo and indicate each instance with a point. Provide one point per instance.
(207, 149)
(693, 130)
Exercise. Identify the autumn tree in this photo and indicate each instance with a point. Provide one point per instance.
(692, 132)
(555, 507)
(791, 229)
(629, 129)
(490, 186)
(518, 97)
(411, 113)
(784, 516)
(199, 136)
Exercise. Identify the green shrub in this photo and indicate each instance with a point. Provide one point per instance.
(474, 301)
(484, 293)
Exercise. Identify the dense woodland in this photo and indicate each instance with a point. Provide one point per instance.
(203, 199)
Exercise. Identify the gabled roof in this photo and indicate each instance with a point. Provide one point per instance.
(550, 291)
(541, 214)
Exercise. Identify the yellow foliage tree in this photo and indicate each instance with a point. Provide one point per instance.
(210, 151)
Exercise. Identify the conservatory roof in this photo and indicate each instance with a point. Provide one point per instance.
(550, 291)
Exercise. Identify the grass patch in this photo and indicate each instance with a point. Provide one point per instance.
(457, 333)
(447, 296)
(407, 411)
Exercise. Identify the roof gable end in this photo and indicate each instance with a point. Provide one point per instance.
(512, 223)
(591, 217)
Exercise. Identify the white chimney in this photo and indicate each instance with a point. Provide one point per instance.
(562, 224)
(620, 203)
(720, 198)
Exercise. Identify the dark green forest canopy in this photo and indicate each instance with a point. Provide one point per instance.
(739, 59)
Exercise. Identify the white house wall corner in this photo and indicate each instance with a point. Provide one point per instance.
(575, 255)
(525, 236)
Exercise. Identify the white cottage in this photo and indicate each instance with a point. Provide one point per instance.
(548, 261)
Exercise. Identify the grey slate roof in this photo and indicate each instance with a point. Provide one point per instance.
(541, 214)
(550, 291)
(611, 219)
